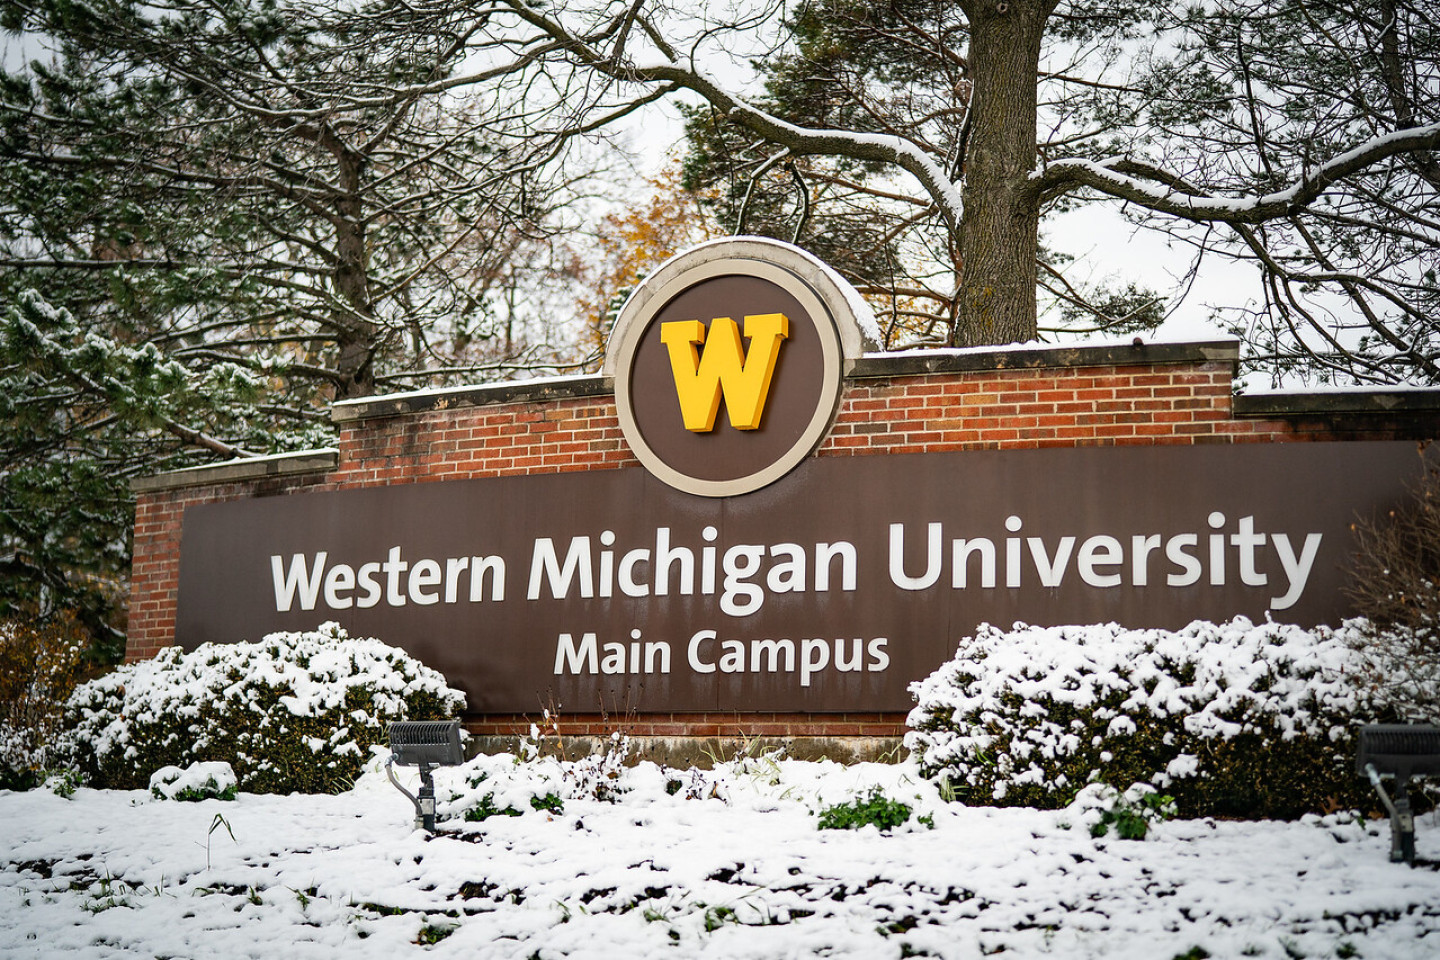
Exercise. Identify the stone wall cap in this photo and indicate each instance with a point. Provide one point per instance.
(1020, 356)
(242, 468)
(537, 390)
(1290, 403)
(1029, 356)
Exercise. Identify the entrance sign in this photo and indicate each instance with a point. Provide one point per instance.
(703, 412)
(733, 571)
(830, 589)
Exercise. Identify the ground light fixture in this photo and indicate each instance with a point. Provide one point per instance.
(425, 744)
(1398, 751)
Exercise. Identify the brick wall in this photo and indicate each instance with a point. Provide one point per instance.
(511, 439)
(155, 567)
(704, 725)
(914, 403)
(1028, 409)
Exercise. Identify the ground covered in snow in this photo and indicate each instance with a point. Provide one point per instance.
(739, 871)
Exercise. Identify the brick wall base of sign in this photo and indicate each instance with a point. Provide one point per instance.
(683, 753)
(1010, 398)
(683, 740)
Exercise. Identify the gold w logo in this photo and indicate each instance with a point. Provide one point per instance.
(724, 367)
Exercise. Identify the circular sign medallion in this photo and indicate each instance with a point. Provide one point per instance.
(728, 369)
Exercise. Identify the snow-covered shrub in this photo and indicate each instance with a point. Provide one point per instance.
(697, 784)
(598, 775)
(295, 712)
(505, 785)
(40, 664)
(63, 783)
(207, 780)
(491, 785)
(1401, 665)
(1232, 719)
(1130, 814)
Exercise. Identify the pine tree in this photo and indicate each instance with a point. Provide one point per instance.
(217, 218)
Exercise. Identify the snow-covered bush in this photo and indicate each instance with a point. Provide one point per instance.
(492, 785)
(207, 780)
(598, 775)
(295, 712)
(1231, 719)
(1130, 814)
(40, 664)
(510, 785)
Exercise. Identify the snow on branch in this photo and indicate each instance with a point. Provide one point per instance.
(800, 141)
(1164, 193)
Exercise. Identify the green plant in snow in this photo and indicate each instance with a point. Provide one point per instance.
(1132, 813)
(201, 781)
(192, 794)
(432, 933)
(717, 916)
(486, 809)
(216, 824)
(64, 783)
(873, 809)
(549, 802)
(108, 893)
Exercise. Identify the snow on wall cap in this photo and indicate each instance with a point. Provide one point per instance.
(1032, 346)
(240, 469)
(852, 316)
(438, 392)
(1345, 389)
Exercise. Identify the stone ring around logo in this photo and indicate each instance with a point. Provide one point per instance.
(701, 411)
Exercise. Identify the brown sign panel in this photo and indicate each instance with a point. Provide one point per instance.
(829, 590)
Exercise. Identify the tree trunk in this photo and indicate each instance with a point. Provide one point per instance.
(357, 331)
(999, 233)
(356, 334)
